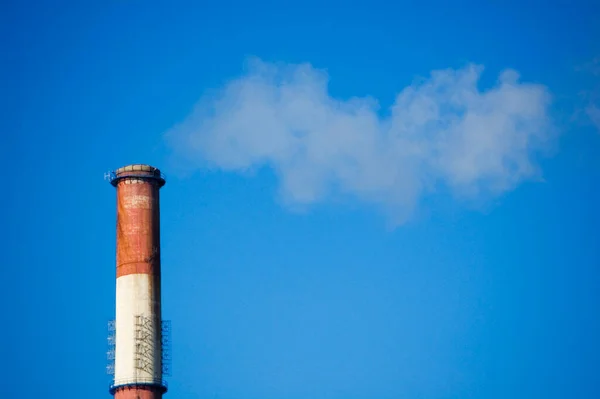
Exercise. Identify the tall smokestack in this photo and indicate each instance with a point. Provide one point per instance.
(138, 330)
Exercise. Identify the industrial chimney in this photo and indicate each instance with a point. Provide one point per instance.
(138, 336)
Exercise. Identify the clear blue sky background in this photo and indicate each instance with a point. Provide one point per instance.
(264, 302)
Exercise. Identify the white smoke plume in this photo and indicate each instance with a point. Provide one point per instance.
(442, 132)
(591, 70)
(593, 113)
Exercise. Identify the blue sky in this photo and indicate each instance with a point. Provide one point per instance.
(307, 253)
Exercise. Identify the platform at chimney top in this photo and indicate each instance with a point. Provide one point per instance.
(136, 171)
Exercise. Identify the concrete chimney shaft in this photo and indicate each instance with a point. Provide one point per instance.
(138, 335)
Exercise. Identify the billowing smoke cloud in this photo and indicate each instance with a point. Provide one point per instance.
(593, 113)
(442, 132)
(591, 94)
